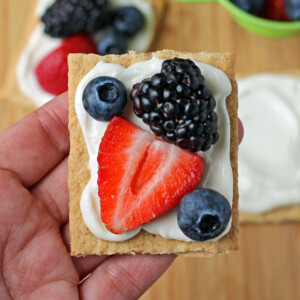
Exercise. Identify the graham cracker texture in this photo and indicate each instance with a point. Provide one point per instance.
(83, 242)
(11, 90)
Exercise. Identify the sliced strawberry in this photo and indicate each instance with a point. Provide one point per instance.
(52, 71)
(141, 177)
(275, 10)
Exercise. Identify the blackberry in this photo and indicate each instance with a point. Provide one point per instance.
(178, 106)
(68, 17)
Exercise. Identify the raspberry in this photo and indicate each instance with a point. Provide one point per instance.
(52, 70)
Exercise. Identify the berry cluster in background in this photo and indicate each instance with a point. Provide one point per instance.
(65, 18)
(52, 71)
(277, 10)
(86, 26)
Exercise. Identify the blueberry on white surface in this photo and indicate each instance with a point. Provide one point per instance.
(128, 20)
(292, 8)
(250, 6)
(112, 43)
(203, 214)
(104, 97)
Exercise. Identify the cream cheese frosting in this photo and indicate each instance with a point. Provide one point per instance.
(217, 172)
(40, 45)
(269, 156)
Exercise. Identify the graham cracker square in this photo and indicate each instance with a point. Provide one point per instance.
(83, 242)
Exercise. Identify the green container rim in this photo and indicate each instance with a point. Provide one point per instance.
(236, 11)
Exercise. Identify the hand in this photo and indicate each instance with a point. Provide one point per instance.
(34, 233)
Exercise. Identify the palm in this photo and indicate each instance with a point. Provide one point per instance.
(37, 262)
(34, 234)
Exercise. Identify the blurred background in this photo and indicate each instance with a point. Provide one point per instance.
(267, 266)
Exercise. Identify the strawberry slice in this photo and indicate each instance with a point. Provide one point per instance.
(141, 177)
(52, 71)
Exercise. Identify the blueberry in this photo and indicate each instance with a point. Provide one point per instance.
(128, 20)
(203, 214)
(250, 6)
(292, 8)
(104, 97)
(112, 43)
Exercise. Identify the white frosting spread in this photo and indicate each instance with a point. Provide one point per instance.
(217, 172)
(269, 156)
(42, 5)
(40, 45)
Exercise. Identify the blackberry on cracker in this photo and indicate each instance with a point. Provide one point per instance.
(178, 106)
(67, 17)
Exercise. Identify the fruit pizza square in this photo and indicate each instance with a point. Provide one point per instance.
(60, 27)
(153, 153)
(269, 187)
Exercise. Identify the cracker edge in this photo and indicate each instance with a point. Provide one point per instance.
(83, 242)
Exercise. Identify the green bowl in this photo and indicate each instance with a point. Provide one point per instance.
(255, 24)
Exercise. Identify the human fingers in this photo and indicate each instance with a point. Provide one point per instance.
(83, 265)
(33, 146)
(124, 276)
(52, 190)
